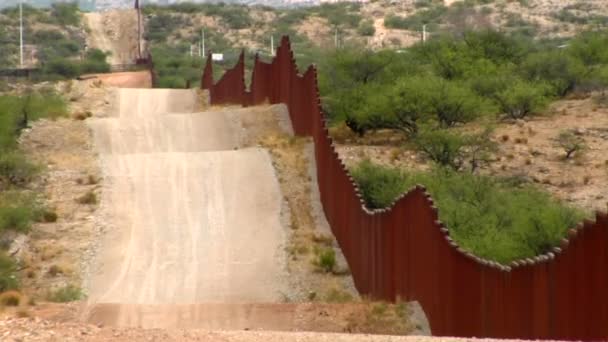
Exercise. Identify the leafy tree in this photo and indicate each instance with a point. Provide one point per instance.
(379, 186)
(560, 70)
(453, 102)
(401, 107)
(444, 147)
(591, 48)
(366, 28)
(66, 14)
(570, 143)
(486, 216)
(480, 147)
(520, 99)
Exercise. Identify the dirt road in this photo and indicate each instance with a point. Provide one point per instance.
(189, 218)
(114, 31)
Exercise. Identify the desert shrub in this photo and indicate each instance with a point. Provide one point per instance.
(453, 102)
(10, 298)
(174, 68)
(431, 16)
(485, 215)
(444, 147)
(8, 273)
(68, 293)
(401, 107)
(326, 259)
(558, 69)
(161, 25)
(570, 143)
(520, 99)
(61, 68)
(66, 13)
(88, 198)
(15, 169)
(17, 211)
(339, 14)
(379, 186)
(366, 28)
(48, 216)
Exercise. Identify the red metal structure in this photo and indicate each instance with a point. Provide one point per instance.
(405, 252)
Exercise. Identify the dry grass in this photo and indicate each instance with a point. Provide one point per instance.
(89, 198)
(10, 298)
(291, 163)
(380, 318)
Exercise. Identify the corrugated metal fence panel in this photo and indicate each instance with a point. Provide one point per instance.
(405, 253)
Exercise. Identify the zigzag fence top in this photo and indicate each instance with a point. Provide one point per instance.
(405, 253)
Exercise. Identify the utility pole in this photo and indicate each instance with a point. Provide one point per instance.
(21, 32)
(336, 38)
(272, 45)
(424, 33)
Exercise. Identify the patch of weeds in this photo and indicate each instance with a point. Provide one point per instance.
(49, 215)
(68, 293)
(17, 211)
(8, 273)
(92, 180)
(325, 259)
(338, 296)
(10, 298)
(323, 239)
(16, 169)
(89, 198)
(23, 313)
(570, 143)
(54, 270)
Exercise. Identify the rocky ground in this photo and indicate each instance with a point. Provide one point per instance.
(527, 149)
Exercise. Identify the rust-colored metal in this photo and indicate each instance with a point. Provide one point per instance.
(405, 253)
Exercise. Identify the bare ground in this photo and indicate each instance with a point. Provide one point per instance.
(115, 32)
(527, 149)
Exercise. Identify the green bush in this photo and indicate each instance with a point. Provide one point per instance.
(453, 102)
(8, 273)
(66, 14)
(520, 99)
(486, 216)
(366, 28)
(68, 293)
(18, 211)
(15, 169)
(326, 259)
(558, 69)
(444, 147)
(61, 68)
(570, 143)
(431, 16)
(379, 186)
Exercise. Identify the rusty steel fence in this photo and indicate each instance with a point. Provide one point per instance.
(405, 253)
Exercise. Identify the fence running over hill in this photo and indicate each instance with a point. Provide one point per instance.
(405, 252)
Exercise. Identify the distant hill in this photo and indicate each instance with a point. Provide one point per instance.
(90, 5)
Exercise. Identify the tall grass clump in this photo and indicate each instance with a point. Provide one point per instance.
(488, 216)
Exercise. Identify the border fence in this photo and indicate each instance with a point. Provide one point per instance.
(405, 253)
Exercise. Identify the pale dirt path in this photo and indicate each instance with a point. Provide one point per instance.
(28, 329)
(183, 226)
(187, 231)
(114, 31)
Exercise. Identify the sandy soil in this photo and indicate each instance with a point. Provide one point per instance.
(114, 31)
(34, 329)
(135, 79)
(180, 225)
